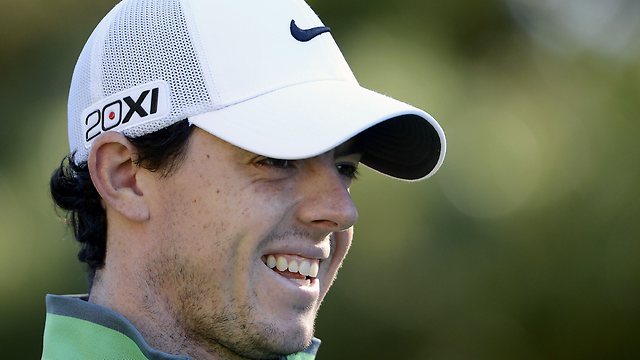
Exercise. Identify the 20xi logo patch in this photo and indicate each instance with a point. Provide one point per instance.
(125, 109)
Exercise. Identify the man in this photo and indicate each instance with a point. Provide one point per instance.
(213, 144)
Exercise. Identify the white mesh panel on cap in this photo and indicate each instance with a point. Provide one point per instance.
(85, 87)
(79, 98)
(147, 40)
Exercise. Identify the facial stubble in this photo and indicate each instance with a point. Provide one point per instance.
(189, 297)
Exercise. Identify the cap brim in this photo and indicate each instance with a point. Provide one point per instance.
(308, 119)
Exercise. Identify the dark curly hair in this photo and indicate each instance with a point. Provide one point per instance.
(73, 191)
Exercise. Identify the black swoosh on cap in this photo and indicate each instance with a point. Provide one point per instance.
(306, 34)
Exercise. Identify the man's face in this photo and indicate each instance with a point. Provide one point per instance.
(223, 218)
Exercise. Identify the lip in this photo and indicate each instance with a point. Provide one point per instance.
(310, 252)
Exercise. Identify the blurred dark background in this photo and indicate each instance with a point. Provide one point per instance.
(521, 247)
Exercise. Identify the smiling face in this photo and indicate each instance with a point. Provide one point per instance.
(247, 246)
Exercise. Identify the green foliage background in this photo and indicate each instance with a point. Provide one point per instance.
(521, 247)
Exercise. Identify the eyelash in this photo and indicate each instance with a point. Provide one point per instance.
(277, 163)
(349, 171)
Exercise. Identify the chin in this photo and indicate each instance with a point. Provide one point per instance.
(294, 344)
(294, 337)
(273, 342)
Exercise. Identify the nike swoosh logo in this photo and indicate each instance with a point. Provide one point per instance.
(306, 34)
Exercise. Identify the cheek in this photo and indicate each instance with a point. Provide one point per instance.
(218, 222)
(340, 244)
(195, 201)
(190, 217)
(194, 242)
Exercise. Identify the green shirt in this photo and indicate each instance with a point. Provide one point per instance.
(76, 329)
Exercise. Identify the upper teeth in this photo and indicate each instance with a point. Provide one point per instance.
(302, 266)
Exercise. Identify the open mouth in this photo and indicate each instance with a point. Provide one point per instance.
(302, 271)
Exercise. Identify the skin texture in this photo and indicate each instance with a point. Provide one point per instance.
(184, 252)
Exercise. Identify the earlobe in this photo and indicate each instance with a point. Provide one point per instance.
(116, 176)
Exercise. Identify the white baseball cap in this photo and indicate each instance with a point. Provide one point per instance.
(265, 76)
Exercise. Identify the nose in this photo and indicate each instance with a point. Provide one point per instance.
(325, 202)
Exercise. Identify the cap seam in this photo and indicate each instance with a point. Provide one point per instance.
(278, 89)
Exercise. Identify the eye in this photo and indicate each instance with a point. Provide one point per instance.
(276, 163)
(348, 170)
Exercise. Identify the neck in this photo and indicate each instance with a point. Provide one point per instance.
(148, 312)
(130, 284)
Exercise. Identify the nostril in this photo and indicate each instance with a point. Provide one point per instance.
(331, 225)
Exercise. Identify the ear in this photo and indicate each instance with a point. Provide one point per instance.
(116, 176)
